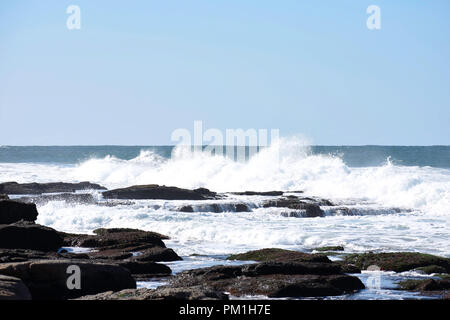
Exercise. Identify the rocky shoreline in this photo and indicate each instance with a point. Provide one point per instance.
(35, 259)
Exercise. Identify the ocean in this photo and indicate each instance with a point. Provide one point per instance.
(396, 198)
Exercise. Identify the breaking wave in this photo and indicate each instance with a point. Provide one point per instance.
(286, 165)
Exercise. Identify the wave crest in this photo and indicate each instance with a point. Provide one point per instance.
(287, 165)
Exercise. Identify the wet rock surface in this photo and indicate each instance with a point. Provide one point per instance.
(27, 235)
(72, 198)
(279, 255)
(155, 191)
(272, 279)
(217, 208)
(397, 261)
(119, 239)
(47, 279)
(162, 293)
(133, 249)
(304, 209)
(329, 248)
(12, 288)
(14, 211)
(39, 188)
(256, 193)
(144, 270)
(425, 285)
(22, 255)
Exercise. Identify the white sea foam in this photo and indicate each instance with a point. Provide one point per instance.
(373, 193)
(228, 232)
(288, 165)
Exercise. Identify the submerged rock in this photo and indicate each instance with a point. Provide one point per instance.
(39, 188)
(154, 191)
(256, 193)
(12, 288)
(47, 279)
(77, 198)
(13, 211)
(216, 207)
(397, 261)
(309, 210)
(26, 235)
(186, 209)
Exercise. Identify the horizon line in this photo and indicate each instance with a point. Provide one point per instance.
(205, 145)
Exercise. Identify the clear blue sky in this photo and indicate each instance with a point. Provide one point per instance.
(137, 70)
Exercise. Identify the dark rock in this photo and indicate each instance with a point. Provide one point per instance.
(32, 236)
(118, 244)
(279, 286)
(217, 208)
(112, 254)
(77, 198)
(140, 269)
(154, 254)
(48, 279)
(330, 248)
(444, 276)
(241, 207)
(22, 255)
(12, 288)
(125, 239)
(146, 269)
(292, 214)
(256, 193)
(186, 209)
(267, 268)
(39, 188)
(154, 191)
(425, 285)
(157, 254)
(318, 201)
(397, 261)
(272, 279)
(107, 231)
(279, 255)
(348, 268)
(13, 211)
(161, 293)
(4, 197)
(310, 210)
(432, 269)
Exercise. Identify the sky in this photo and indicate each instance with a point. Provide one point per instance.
(138, 70)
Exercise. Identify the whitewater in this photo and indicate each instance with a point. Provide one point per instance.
(393, 207)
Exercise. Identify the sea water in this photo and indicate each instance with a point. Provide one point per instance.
(397, 198)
